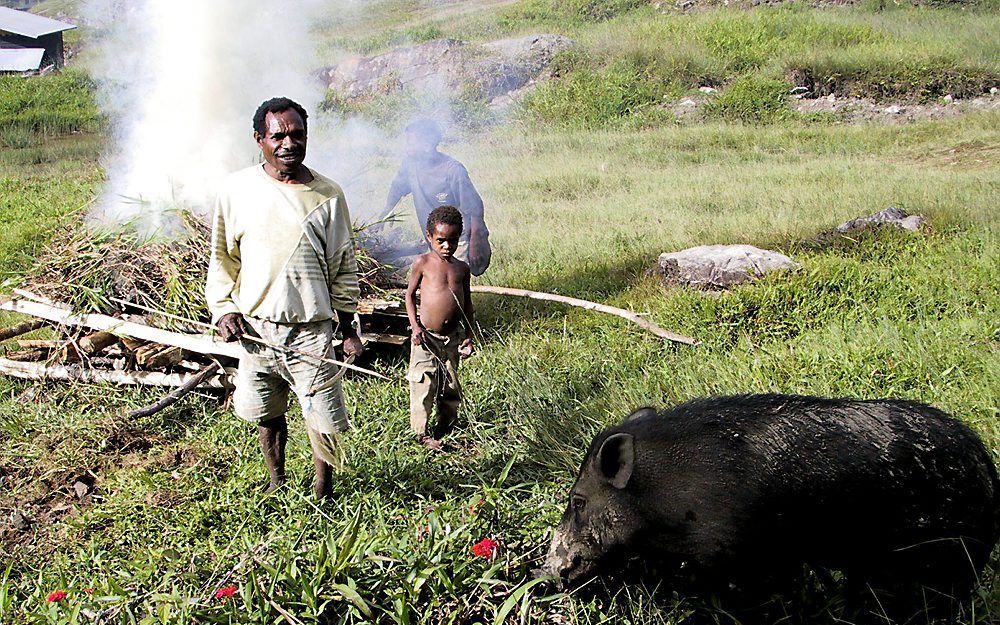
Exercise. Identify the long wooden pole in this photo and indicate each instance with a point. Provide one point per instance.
(582, 303)
(42, 371)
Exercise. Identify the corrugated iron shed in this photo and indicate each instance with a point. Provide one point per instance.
(29, 25)
(20, 59)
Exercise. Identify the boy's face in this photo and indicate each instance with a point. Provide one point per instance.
(444, 240)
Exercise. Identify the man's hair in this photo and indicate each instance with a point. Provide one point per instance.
(426, 129)
(277, 105)
(447, 215)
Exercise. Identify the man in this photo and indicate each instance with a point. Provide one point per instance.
(283, 269)
(436, 179)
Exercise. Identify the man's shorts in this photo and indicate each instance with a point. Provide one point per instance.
(266, 375)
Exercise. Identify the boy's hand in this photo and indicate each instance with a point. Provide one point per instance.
(417, 336)
(465, 349)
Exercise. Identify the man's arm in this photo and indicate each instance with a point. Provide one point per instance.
(343, 273)
(471, 205)
(397, 190)
(416, 273)
(224, 266)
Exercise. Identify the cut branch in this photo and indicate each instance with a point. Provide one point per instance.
(192, 383)
(582, 303)
(42, 371)
(21, 328)
(199, 343)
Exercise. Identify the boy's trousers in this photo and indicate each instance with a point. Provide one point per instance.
(433, 377)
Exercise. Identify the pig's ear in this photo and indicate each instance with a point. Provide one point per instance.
(616, 458)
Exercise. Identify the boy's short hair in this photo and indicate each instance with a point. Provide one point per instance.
(448, 215)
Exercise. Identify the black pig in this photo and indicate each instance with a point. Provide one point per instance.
(743, 491)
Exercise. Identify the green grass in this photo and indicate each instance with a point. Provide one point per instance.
(580, 204)
(48, 105)
(175, 513)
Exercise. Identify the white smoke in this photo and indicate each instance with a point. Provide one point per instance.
(179, 81)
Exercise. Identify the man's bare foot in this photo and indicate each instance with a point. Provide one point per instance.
(273, 485)
(431, 443)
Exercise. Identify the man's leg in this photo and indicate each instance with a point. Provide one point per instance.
(273, 437)
(324, 475)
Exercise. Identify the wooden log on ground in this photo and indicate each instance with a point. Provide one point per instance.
(194, 382)
(199, 343)
(22, 328)
(43, 371)
(155, 356)
(582, 303)
(96, 342)
(133, 345)
(29, 355)
(40, 343)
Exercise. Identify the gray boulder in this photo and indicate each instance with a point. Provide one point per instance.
(720, 266)
(494, 69)
(892, 216)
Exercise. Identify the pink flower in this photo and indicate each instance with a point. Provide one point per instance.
(56, 595)
(225, 592)
(484, 548)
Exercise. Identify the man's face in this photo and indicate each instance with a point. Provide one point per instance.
(284, 140)
(444, 240)
(418, 145)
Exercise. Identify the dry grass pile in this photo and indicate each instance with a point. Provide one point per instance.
(94, 269)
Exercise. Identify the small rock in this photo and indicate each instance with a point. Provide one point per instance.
(948, 98)
(893, 109)
(687, 102)
(720, 266)
(893, 216)
(81, 489)
(832, 97)
(18, 522)
(707, 89)
(994, 90)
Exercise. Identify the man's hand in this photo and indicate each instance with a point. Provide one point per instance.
(353, 346)
(466, 348)
(417, 335)
(231, 327)
(480, 254)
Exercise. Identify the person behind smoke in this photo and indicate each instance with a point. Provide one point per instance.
(282, 268)
(435, 179)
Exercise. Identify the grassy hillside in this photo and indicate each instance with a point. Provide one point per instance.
(173, 512)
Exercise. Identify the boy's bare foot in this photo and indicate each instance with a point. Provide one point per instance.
(431, 443)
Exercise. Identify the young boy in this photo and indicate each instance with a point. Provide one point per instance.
(442, 332)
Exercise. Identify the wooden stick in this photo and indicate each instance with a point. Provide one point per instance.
(582, 303)
(193, 382)
(259, 341)
(191, 342)
(42, 371)
(21, 328)
(96, 342)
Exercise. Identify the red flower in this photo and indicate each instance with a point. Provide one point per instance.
(484, 548)
(88, 590)
(225, 592)
(473, 507)
(56, 595)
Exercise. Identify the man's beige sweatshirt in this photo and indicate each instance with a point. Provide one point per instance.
(281, 252)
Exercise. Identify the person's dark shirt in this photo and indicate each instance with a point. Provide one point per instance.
(446, 182)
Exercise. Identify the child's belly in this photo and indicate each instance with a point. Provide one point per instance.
(439, 310)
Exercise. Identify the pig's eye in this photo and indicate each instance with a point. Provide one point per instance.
(578, 503)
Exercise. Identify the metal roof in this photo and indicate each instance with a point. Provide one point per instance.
(20, 59)
(29, 24)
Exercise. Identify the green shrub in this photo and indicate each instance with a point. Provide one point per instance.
(753, 100)
(595, 98)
